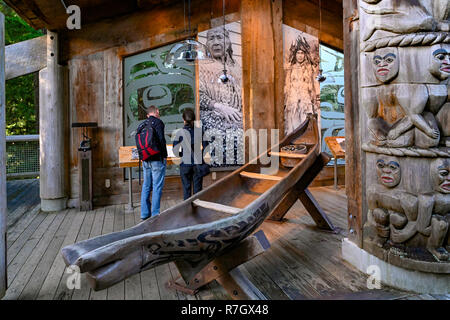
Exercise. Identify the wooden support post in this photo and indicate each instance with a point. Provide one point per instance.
(3, 208)
(300, 191)
(262, 63)
(225, 270)
(51, 130)
(354, 184)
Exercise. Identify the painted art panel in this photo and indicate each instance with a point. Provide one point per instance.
(221, 103)
(301, 67)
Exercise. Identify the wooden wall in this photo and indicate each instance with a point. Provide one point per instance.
(94, 56)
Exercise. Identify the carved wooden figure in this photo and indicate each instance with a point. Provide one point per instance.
(397, 16)
(405, 130)
(438, 104)
(395, 110)
(434, 210)
(393, 212)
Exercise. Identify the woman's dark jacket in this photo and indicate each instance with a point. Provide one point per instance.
(180, 139)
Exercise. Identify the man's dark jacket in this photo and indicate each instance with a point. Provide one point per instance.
(158, 125)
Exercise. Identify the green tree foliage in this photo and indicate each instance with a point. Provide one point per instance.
(20, 107)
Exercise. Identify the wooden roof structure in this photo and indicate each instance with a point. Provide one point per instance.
(51, 14)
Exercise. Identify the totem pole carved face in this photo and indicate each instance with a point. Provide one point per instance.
(385, 64)
(440, 61)
(389, 173)
(440, 175)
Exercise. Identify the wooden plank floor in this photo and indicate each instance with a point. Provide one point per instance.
(302, 263)
(22, 199)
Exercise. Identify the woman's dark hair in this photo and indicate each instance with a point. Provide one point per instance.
(189, 116)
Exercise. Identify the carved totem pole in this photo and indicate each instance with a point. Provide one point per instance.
(405, 131)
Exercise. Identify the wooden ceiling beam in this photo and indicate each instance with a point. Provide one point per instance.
(28, 11)
(304, 15)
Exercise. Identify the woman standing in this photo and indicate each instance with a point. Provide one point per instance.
(192, 166)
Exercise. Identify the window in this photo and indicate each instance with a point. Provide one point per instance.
(147, 82)
(332, 95)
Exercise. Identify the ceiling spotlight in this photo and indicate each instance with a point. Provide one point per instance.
(188, 51)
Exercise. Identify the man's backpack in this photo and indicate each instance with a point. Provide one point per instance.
(146, 141)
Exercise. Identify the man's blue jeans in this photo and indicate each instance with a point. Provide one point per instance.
(154, 174)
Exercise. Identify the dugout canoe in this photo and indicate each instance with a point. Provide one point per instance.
(203, 227)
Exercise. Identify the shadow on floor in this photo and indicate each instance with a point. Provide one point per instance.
(22, 198)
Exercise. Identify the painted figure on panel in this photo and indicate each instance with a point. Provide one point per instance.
(301, 65)
(221, 103)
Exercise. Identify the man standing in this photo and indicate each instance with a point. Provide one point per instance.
(154, 167)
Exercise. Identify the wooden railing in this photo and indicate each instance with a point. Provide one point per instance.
(22, 156)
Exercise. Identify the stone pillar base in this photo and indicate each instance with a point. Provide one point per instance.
(49, 205)
(415, 281)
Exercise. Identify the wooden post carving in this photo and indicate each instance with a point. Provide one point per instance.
(405, 130)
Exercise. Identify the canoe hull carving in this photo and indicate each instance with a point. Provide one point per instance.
(192, 235)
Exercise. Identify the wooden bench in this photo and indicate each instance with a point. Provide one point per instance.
(288, 155)
(260, 176)
(216, 206)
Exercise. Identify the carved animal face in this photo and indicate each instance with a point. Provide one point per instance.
(440, 61)
(385, 63)
(440, 175)
(389, 173)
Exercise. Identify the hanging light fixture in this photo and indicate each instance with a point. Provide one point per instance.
(320, 77)
(188, 51)
(224, 78)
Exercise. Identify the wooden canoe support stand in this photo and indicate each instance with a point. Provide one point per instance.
(300, 192)
(225, 270)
